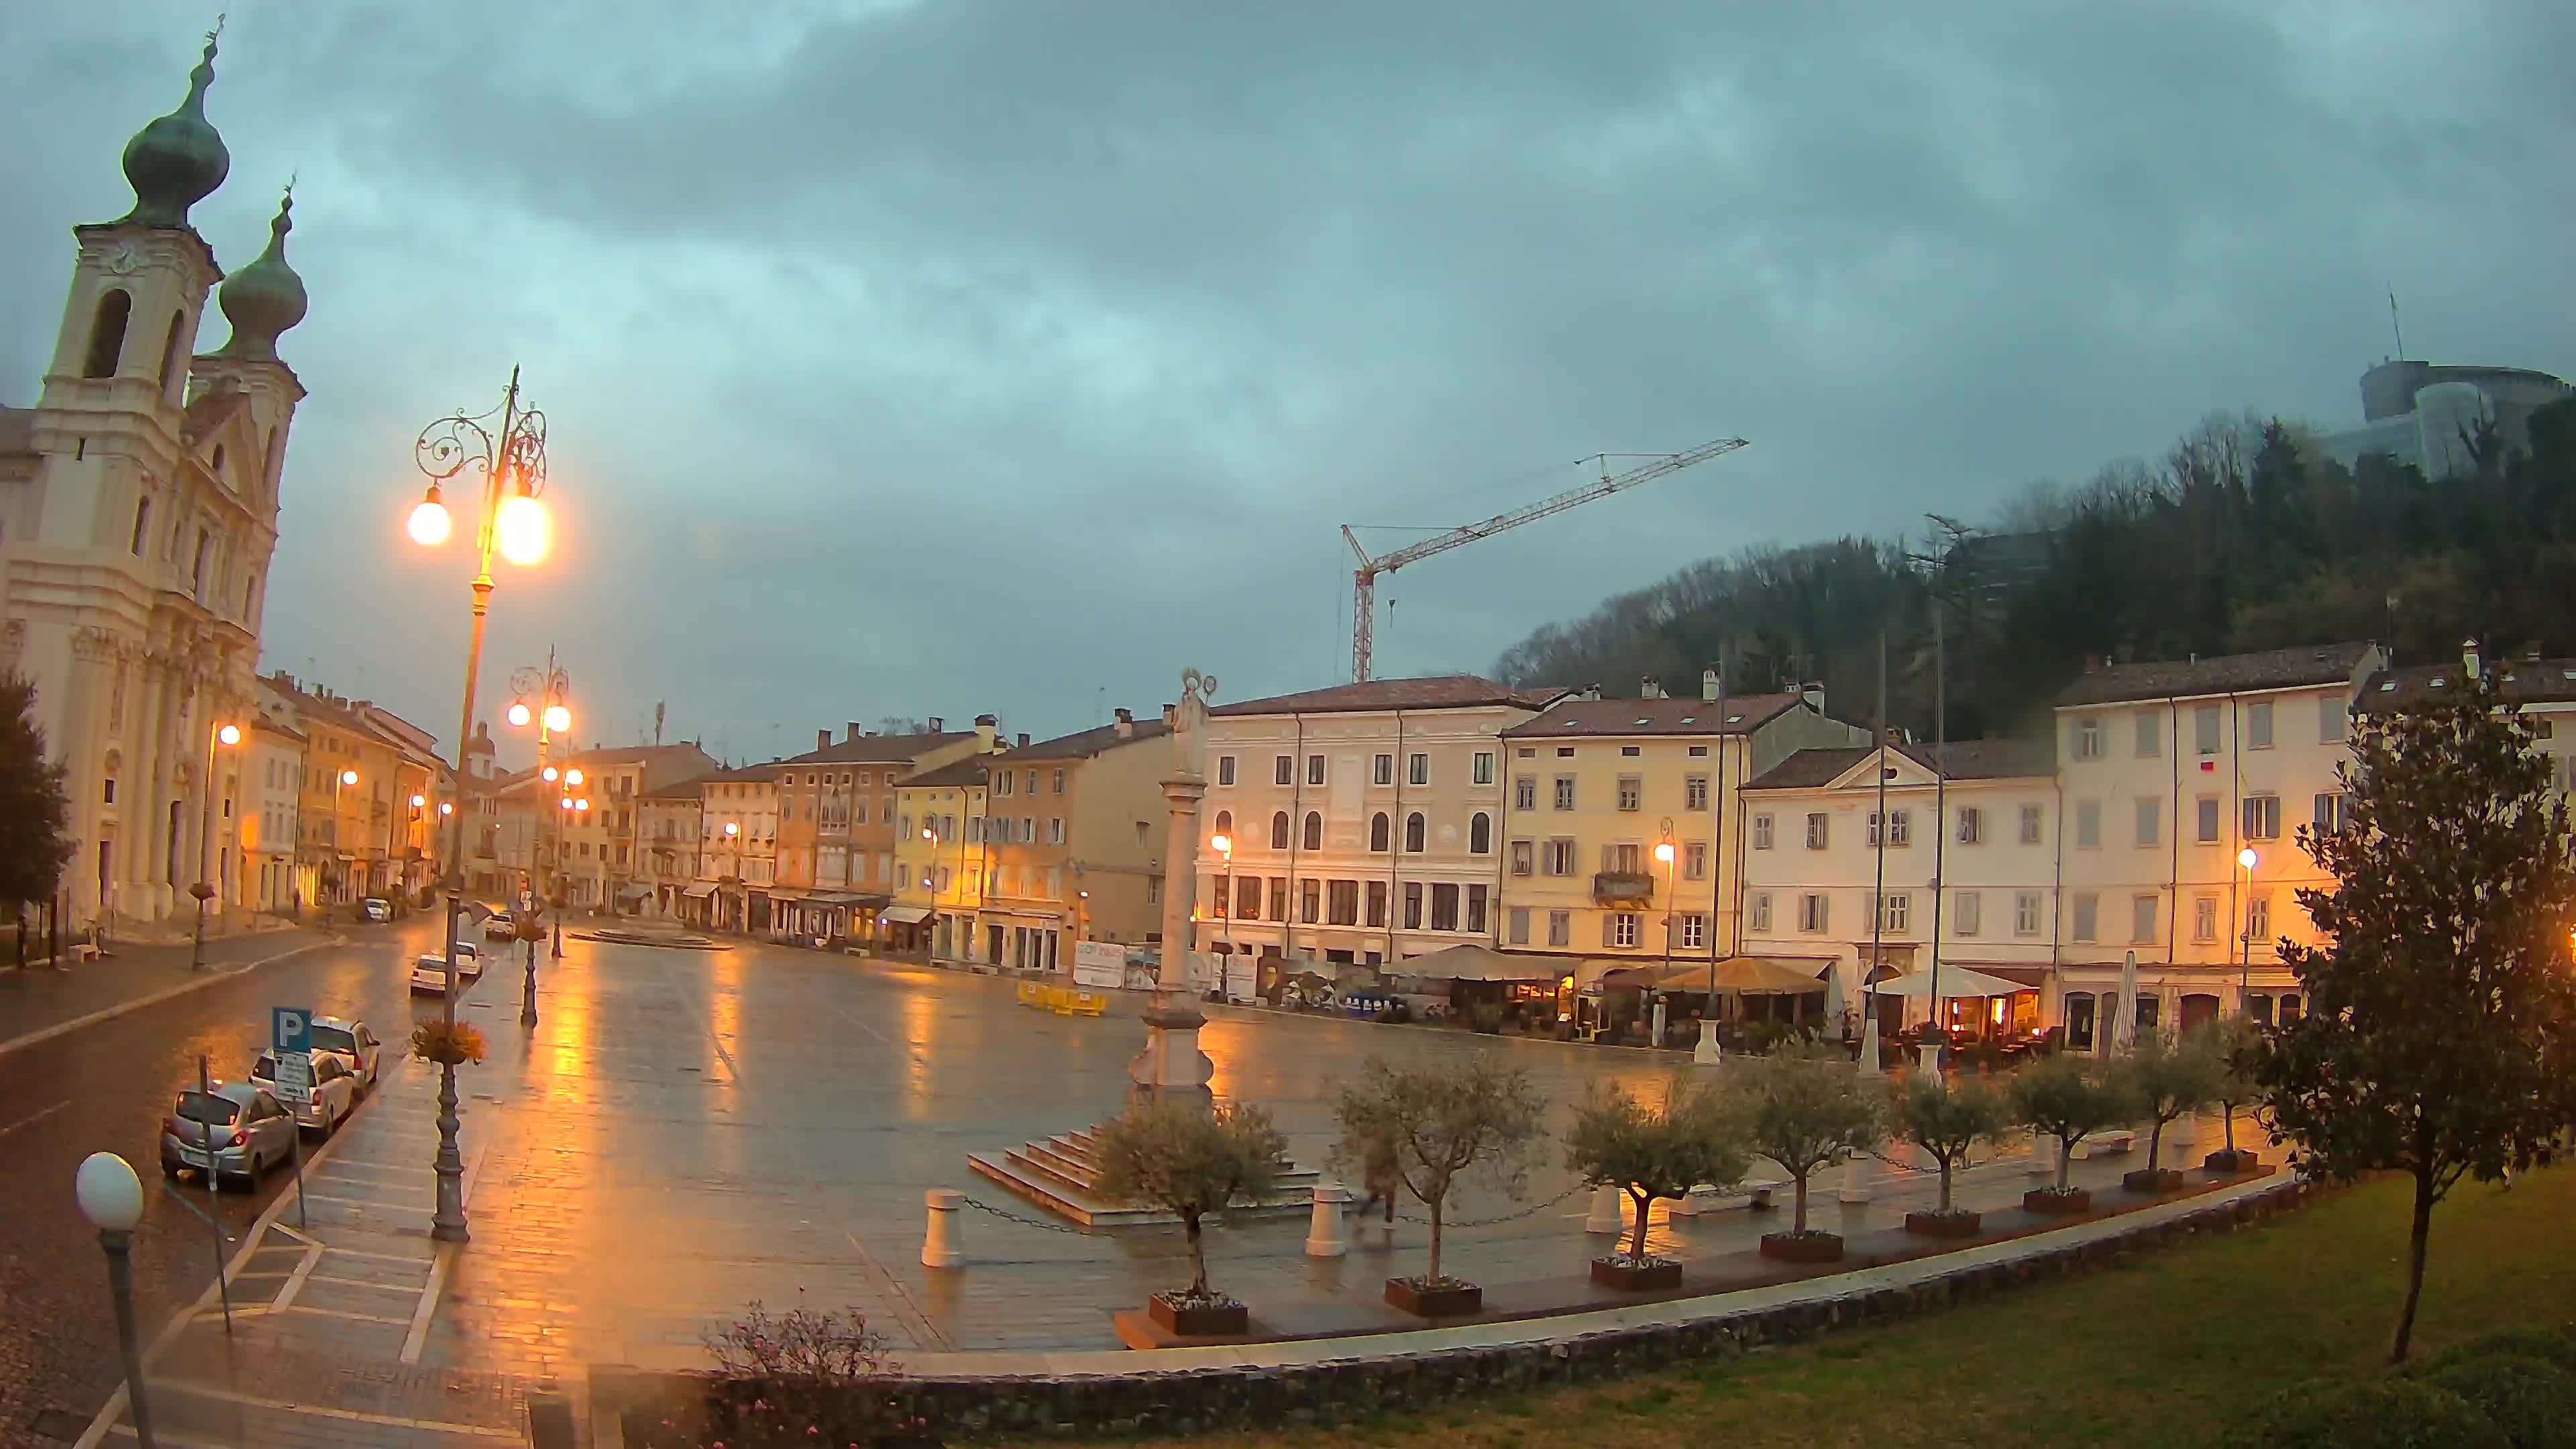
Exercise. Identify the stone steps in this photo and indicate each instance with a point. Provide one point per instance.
(1062, 1173)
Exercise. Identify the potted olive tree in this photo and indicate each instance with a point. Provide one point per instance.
(1948, 1121)
(1191, 1163)
(2239, 1045)
(2165, 1078)
(2067, 1098)
(1805, 1109)
(1441, 1123)
(1649, 1153)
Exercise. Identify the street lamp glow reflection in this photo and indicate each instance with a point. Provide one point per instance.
(519, 714)
(2245, 857)
(520, 529)
(429, 525)
(558, 718)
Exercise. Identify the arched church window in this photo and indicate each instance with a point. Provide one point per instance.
(197, 572)
(142, 522)
(107, 333)
(170, 352)
(216, 465)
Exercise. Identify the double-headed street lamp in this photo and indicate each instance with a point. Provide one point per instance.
(222, 737)
(512, 468)
(552, 717)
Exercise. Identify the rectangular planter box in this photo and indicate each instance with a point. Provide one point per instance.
(2228, 1164)
(2152, 1180)
(2049, 1203)
(1200, 1321)
(1803, 1248)
(1636, 1277)
(1944, 1225)
(1454, 1302)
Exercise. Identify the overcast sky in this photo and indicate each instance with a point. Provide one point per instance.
(948, 357)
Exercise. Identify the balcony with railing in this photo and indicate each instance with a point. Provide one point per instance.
(1623, 888)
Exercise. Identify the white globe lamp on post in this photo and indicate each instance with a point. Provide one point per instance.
(111, 1197)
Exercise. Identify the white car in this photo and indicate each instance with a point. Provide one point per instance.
(429, 970)
(355, 1046)
(333, 1097)
(499, 926)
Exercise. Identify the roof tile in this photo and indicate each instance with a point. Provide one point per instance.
(1442, 691)
(2306, 664)
(1577, 718)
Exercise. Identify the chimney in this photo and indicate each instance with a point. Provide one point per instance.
(986, 726)
(1592, 691)
(1650, 688)
(1126, 724)
(2469, 656)
(1708, 684)
(1814, 695)
(1020, 740)
(850, 731)
(822, 739)
(937, 725)
(1171, 715)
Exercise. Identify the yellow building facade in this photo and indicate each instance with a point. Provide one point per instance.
(940, 858)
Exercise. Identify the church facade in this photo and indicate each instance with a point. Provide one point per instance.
(138, 514)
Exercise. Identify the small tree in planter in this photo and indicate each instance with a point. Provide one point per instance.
(2164, 1078)
(1651, 1152)
(2069, 1099)
(1443, 1122)
(1805, 1109)
(1190, 1164)
(2238, 1045)
(1948, 1121)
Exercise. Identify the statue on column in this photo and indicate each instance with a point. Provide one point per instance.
(1171, 1063)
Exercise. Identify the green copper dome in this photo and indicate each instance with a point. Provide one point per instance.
(264, 299)
(177, 160)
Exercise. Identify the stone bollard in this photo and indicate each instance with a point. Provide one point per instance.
(549, 1417)
(940, 1247)
(1858, 1173)
(2183, 1130)
(1605, 1216)
(1325, 1234)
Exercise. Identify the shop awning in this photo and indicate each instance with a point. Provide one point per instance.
(1736, 975)
(633, 892)
(1956, 981)
(1479, 963)
(904, 915)
(700, 891)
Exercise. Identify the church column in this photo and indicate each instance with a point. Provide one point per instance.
(138, 787)
(83, 752)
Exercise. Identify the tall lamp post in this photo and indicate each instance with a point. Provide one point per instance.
(1223, 845)
(111, 1197)
(221, 737)
(1664, 858)
(2245, 936)
(509, 466)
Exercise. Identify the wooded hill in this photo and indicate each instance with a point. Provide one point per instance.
(2244, 536)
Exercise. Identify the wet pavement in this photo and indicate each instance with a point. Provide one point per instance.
(686, 1132)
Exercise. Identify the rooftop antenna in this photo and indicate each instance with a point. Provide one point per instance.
(2393, 324)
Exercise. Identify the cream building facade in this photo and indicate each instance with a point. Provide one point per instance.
(1367, 819)
(1598, 786)
(1831, 882)
(138, 514)
(2169, 773)
(1073, 837)
(737, 848)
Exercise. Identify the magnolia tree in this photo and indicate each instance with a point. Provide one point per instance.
(1948, 1120)
(1647, 1152)
(1805, 1108)
(2068, 1098)
(1190, 1163)
(1441, 1124)
(2440, 1000)
(2164, 1078)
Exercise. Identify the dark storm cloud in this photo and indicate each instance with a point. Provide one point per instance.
(942, 357)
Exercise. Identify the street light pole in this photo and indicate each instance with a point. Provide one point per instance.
(111, 1197)
(513, 471)
(1224, 846)
(218, 735)
(2245, 935)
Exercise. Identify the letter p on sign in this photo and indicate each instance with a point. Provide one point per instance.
(290, 1029)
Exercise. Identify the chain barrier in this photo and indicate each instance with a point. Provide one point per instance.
(1026, 1222)
(1512, 1217)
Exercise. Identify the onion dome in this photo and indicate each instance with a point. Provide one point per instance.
(177, 160)
(266, 298)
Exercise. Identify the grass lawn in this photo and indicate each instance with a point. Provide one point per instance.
(2161, 1352)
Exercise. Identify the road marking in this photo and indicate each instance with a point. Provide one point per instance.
(366, 1202)
(413, 1259)
(38, 1117)
(176, 1441)
(339, 1282)
(352, 1416)
(427, 1307)
(156, 998)
(336, 1313)
(295, 1281)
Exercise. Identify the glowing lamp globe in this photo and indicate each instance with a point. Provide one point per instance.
(558, 718)
(2245, 857)
(521, 531)
(519, 714)
(109, 1193)
(429, 524)
(228, 735)
(572, 777)
(582, 804)
(551, 773)
(348, 777)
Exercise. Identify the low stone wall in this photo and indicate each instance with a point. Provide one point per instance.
(1197, 1400)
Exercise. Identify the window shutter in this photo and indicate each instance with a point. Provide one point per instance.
(1607, 935)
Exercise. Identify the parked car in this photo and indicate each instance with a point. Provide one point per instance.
(375, 908)
(333, 1097)
(354, 1044)
(500, 926)
(251, 1132)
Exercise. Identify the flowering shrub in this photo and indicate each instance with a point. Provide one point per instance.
(803, 1377)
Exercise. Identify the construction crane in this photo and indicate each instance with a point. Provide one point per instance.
(1364, 578)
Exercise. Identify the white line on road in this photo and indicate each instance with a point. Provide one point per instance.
(38, 1117)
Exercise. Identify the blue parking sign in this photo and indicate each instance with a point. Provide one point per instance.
(290, 1029)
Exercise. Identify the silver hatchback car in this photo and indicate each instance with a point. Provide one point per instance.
(251, 1132)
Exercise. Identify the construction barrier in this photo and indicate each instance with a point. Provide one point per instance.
(1063, 1000)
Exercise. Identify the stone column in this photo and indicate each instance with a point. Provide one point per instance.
(1171, 1065)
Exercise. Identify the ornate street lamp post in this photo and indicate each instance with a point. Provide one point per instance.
(509, 465)
(220, 737)
(552, 717)
(111, 1197)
